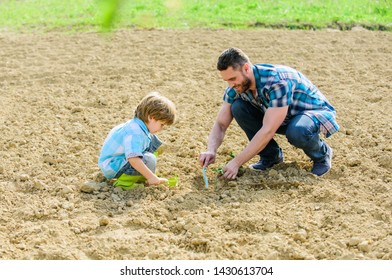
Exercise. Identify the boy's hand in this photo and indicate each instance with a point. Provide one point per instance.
(156, 180)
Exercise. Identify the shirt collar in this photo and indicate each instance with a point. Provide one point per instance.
(257, 77)
(142, 125)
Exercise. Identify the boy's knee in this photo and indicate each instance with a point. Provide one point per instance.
(150, 160)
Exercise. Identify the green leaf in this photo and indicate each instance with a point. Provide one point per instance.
(218, 170)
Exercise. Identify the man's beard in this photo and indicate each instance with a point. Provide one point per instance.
(245, 85)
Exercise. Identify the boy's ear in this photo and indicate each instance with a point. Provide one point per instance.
(149, 118)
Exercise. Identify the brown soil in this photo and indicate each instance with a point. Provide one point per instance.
(61, 94)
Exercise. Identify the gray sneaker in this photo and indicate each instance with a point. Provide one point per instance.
(264, 164)
(322, 167)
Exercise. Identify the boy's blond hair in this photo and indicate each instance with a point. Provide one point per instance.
(158, 107)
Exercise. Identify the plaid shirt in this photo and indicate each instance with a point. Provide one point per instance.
(280, 86)
(126, 140)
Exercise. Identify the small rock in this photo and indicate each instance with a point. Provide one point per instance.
(102, 195)
(66, 190)
(232, 184)
(269, 227)
(273, 256)
(215, 213)
(236, 205)
(104, 221)
(349, 256)
(341, 244)
(67, 206)
(199, 241)
(153, 255)
(38, 185)
(118, 190)
(364, 246)
(76, 109)
(49, 159)
(273, 173)
(195, 229)
(23, 177)
(115, 197)
(354, 241)
(89, 187)
(385, 161)
(301, 235)
(102, 101)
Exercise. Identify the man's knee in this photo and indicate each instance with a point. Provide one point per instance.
(300, 136)
(302, 132)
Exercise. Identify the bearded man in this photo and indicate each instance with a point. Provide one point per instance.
(266, 99)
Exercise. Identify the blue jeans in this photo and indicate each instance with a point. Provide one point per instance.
(149, 159)
(301, 131)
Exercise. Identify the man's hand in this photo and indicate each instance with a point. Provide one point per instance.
(206, 158)
(231, 169)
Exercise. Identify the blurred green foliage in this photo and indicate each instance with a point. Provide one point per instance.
(235, 14)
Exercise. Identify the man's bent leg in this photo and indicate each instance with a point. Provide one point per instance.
(302, 132)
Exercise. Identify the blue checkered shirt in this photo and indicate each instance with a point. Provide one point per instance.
(280, 86)
(126, 140)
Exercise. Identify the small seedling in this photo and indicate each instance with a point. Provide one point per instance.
(218, 170)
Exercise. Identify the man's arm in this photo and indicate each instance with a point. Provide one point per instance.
(217, 134)
(273, 119)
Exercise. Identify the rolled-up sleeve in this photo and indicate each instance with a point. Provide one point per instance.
(134, 145)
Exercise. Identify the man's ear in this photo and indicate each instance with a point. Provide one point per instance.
(247, 68)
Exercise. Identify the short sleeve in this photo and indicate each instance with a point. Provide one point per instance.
(280, 94)
(134, 145)
(230, 95)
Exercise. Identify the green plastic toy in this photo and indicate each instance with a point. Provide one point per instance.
(128, 182)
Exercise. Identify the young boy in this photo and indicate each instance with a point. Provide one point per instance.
(129, 148)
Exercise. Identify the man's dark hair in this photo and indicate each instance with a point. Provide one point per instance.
(233, 57)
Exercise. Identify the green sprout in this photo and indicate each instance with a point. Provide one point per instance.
(218, 170)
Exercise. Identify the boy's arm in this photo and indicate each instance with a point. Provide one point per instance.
(139, 165)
